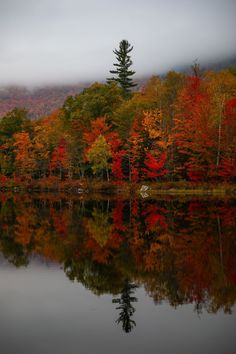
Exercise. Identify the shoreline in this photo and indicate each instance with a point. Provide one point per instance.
(143, 189)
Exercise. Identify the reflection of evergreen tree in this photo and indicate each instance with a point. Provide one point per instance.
(14, 253)
(125, 306)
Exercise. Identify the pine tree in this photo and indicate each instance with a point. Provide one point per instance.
(123, 73)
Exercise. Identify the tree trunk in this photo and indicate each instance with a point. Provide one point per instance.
(219, 133)
(129, 169)
(107, 172)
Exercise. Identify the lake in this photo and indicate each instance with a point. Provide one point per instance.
(104, 274)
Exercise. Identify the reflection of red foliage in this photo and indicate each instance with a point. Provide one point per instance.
(115, 240)
(3, 198)
(195, 206)
(231, 271)
(153, 216)
(117, 216)
(228, 216)
(60, 222)
(3, 180)
(134, 208)
(99, 254)
(117, 165)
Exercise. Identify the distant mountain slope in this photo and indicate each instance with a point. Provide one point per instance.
(39, 102)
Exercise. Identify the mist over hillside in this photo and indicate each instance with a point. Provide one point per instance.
(38, 102)
(41, 101)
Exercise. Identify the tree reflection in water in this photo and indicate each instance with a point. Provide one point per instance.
(180, 251)
(125, 306)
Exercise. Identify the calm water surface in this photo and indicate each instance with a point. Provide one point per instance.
(105, 275)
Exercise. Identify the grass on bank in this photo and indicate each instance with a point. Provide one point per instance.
(54, 184)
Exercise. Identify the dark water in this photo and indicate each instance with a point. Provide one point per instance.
(117, 276)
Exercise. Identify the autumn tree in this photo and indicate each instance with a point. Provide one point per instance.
(24, 155)
(157, 140)
(154, 168)
(100, 127)
(194, 131)
(147, 147)
(122, 72)
(97, 127)
(221, 87)
(227, 158)
(60, 160)
(135, 150)
(47, 133)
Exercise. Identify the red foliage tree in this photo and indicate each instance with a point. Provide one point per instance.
(227, 166)
(155, 168)
(194, 131)
(60, 160)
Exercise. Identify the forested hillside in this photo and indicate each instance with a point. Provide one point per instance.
(180, 127)
(38, 102)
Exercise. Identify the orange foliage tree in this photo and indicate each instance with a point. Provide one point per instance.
(25, 159)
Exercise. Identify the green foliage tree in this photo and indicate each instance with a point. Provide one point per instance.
(122, 72)
(99, 156)
(98, 100)
(13, 122)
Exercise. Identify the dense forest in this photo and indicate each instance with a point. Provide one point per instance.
(176, 128)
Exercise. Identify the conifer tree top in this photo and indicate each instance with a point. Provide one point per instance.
(122, 72)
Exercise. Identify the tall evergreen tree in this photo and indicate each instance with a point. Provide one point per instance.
(122, 72)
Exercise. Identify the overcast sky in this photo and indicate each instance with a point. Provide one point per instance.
(63, 41)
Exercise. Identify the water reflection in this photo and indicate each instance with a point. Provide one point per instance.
(125, 306)
(180, 251)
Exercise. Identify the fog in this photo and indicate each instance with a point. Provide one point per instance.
(68, 41)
